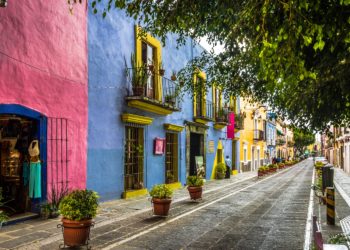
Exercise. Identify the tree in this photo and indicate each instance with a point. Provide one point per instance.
(291, 54)
(302, 139)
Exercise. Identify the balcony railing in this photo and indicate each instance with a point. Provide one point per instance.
(239, 121)
(290, 144)
(280, 141)
(206, 114)
(221, 115)
(144, 83)
(258, 135)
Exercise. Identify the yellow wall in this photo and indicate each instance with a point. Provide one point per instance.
(247, 134)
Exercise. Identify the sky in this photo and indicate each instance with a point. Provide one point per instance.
(217, 49)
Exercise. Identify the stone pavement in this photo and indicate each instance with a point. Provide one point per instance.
(342, 183)
(44, 232)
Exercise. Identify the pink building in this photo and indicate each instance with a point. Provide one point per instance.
(43, 95)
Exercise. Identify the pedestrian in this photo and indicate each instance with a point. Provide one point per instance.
(228, 164)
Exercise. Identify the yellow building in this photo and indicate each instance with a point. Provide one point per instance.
(253, 150)
(290, 144)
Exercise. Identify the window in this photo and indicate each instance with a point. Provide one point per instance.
(171, 158)
(217, 100)
(200, 96)
(149, 51)
(133, 165)
(245, 153)
(148, 54)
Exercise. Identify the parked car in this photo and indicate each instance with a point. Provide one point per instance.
(321, 159)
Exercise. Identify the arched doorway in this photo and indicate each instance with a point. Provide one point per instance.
(19, 126)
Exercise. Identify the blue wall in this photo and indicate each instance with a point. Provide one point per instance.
(109, 41)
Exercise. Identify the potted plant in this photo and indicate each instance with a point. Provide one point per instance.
(173, 76)
(169, 177)
(220, 116)
(261, 171)
(139, 76)
(161, 198)
(195, 186)
(161, 69)
(150, 66)
(220, 170)
(3, 215)
(170, 99)
(55, 197)
(45, 210)
(78, 209)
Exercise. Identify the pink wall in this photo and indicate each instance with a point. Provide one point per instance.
(45, 68)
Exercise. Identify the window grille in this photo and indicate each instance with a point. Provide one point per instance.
(58, 154)
(134, 155)
(171, 158)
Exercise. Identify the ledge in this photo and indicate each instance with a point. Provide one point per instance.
(138, 119)
(173, 127)
(150, 105)
(175, 185)
(134, 193)
(196, 124)
(220, 125)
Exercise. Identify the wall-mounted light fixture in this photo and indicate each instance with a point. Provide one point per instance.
(3, 3)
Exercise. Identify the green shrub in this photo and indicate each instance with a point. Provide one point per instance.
(161, 191)
(194, 181)
(79, 205)
(221, 168)
(338, 239)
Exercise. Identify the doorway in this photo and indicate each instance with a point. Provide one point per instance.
(16, 134)
(253, 159)
(196, 150)
(171, 158)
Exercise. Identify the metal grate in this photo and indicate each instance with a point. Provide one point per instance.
(171, 158)
(133, 158)
(57, 153)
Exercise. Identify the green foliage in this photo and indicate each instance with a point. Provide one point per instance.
(194, 181)
(338, 239)
(161, 191)
(221, 168)
(3, 215)
(79, 205)
(293, 55)
(302, 139)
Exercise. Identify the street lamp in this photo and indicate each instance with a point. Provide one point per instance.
(3, 3)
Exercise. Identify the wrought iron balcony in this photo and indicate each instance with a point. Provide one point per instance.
(280, 141)
(221, 115)
(145, 94)
(239, 121)
(259, 135)
(204, 112)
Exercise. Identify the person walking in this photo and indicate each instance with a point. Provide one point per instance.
(228, 164)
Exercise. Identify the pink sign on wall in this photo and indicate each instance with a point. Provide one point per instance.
(231, 126)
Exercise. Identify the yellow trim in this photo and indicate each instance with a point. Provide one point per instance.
(143, 120)
(153, 108)
(219, 125)
(216, 159)
(147, 38)
(173, 127)
(203, 76)
(135, 193)
(200, 121)
(234, 172)
(175, 185)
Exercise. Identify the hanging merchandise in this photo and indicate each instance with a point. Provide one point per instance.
(35, 180)
(35, 170)
(33, 149)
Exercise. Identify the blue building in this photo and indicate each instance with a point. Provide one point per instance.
(271, 135)
(139, 132)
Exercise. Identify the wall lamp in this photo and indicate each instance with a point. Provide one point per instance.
(3, 3)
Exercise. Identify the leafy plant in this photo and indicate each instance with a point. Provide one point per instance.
(79, 205)
(138, 74)
(194, 181)
(221, 168)
(56, 196)
(161, 191)
(338, 239)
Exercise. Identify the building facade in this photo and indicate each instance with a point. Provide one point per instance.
(140, 132)
(43, 98)
(253, 149)
(271, 136)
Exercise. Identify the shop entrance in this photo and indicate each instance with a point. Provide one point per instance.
(19, 126)
(196, 152)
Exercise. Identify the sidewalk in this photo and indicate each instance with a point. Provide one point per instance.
(342, 183)
(43, 232)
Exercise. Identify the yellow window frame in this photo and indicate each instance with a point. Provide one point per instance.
(156, 44)
(214, 89)
(203, 76)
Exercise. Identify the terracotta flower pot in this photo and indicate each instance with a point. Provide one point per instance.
(76, 233)
(161, 72)
(138, 91)
(195, 192)
(260, 173)
(161, 206)
(220, 176)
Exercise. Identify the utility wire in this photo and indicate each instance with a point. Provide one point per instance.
(41, 70)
